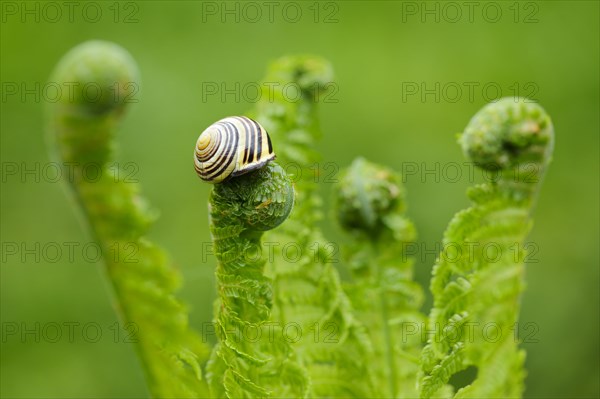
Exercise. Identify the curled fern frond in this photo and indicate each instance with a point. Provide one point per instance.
(370, 205)
(515, 138)
(333, 347)
(144, 280)
(477, 291)
(252, 358)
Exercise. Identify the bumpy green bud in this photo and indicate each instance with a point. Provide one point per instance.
(101, 77)
(508, 133)
(366, 195)
(261, 199)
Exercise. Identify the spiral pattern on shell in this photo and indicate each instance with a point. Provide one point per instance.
(231, 147)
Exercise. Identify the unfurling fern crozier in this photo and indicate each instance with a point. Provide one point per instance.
(370, 205)
(477, 290)
(82, 125)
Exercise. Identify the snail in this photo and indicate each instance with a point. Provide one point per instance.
(231, 147)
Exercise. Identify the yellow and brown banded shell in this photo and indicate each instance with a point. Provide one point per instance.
(231, 147)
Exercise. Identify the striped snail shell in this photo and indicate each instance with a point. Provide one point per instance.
(231, 147)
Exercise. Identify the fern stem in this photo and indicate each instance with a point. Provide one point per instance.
(389, 339)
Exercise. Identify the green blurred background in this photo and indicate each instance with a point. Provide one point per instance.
(378, 49)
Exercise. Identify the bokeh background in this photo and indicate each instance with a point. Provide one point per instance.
(547, 50)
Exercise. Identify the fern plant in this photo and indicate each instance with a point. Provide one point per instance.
(370, 205)
(240, 211)
(477, 291)
(82, 128)
(333, 346)
(350, 339)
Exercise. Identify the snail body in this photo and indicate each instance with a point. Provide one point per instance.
(231, 147)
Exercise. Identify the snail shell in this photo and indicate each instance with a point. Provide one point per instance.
(231, 147)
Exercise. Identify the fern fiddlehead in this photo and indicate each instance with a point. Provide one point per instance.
(252, 358)
(477, 290)
(332, 346)
(370, 205)
(82, 126)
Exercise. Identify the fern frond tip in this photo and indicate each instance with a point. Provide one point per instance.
(508, 132)
(103, 77)
(367, 195)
